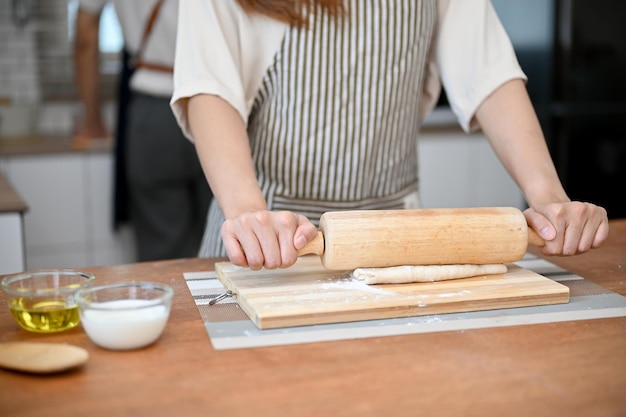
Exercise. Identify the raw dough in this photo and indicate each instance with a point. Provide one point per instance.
(425, 273)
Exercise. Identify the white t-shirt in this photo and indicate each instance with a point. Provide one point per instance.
(223, 51)
(160, 47)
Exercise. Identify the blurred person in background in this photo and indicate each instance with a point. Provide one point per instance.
(159, 184)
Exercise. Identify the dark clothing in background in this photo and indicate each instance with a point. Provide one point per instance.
(120, 190)
(168, 194)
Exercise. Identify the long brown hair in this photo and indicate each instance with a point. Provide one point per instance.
(293, 12)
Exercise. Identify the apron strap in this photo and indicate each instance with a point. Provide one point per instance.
(137, 61)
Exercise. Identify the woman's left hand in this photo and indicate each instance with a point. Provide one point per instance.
(569, 228)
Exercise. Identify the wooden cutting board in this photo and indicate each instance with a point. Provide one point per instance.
(307, 293)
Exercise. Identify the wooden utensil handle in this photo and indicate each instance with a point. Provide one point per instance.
(534, 238)
(315, 246)
(380, 238)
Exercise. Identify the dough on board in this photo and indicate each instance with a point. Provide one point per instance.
(425, 273)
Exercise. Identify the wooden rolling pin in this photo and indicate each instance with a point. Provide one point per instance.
(381, 238)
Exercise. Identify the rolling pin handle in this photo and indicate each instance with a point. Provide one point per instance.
(315, 246)
(534, 238)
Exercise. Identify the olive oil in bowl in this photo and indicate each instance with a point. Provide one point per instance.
(43, 301)
(44, 316)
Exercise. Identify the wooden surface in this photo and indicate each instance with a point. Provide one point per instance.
(308, 293)
(10, 200)
(442, 236)
(569, 369)
(47, 144)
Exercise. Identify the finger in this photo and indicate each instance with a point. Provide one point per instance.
(549, 223)
(572, 239)
(586, 219)
(265, 229)
(286, 225)
(288, 253)
(234, 251)
(271, 252)
(596, 228)
(305, 232)
(262, 252)
(587, 236)
(602, 233)
(242, 244)
(540, 224)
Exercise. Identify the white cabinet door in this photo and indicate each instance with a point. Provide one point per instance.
(69, 221)
(460, 170)
(12, 257)
(55, 224)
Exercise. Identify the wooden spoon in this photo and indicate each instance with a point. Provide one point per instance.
(41, 358)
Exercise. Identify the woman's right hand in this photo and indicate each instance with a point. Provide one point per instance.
(253, 236)
(266, 239)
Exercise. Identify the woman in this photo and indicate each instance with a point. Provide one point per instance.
(299, 107)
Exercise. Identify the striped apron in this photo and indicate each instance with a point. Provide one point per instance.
(334, 125)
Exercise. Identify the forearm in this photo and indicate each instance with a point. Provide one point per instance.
(87, 67)
(224, 150)
(516, 136)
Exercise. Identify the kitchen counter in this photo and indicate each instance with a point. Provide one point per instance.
(43, 144)
(573, 368)
(10, 200)
(441, 121)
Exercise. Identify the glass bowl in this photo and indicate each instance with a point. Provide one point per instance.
(43, 301)
(124, 316)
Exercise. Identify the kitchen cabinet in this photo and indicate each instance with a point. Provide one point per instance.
(68, 224)
(12, 253)
(12, 208)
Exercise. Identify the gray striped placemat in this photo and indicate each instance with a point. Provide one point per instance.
(229, 327)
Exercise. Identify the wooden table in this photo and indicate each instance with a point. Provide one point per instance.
(560, 369)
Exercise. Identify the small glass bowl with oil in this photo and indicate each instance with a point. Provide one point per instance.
(43, 301)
